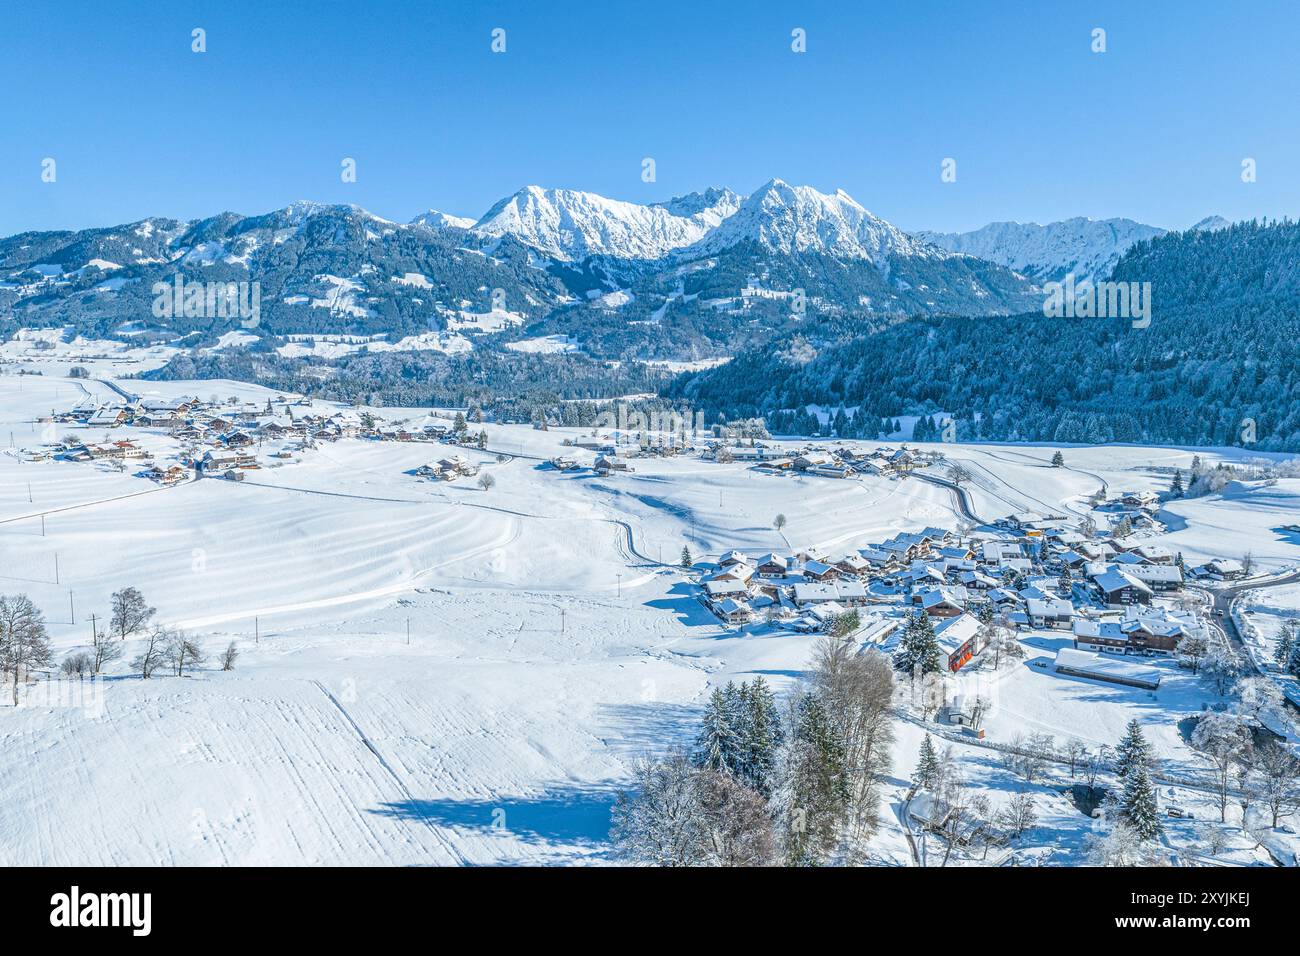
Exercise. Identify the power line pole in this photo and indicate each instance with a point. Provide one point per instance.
(408, 631)
(257, 637)
(56, 567)
(72, 608)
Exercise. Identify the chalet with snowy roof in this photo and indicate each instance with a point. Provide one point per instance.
(976, 580)
(995, 552)
(1221, 568)
(854, 565)
(218, 461)
(1119, 588)
(716, 590)
(1158, 577)
(1049, 612)
(773, 566)
(819, 571)
(1154, 553)
(734, 572)
(605, 465)
(960, 638)
(849, 593)
(1140, 499)
(732, 557)
(1140, 631)
(733, 611)
(106, 417)
(941, 601)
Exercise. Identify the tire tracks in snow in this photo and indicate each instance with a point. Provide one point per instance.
(414, 804)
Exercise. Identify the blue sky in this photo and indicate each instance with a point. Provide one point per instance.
(1041, 127)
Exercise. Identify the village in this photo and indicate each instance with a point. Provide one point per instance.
(1060, 597)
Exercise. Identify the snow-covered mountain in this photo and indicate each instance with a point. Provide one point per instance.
(1089, 248)
(567, 224)
(798, 219)
(1211, 223)
(435, 219)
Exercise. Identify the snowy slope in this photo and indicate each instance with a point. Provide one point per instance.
(1089, 248)
(568, 224)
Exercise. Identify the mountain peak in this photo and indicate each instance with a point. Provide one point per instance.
(569, 224)
(798, 219)
(1088, 248)
(435, 219)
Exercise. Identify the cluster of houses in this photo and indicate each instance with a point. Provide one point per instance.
(223, 437)
(448, 469)
(837, 461)
(1031, 574)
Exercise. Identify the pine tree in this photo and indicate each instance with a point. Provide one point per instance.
(1138, 803)
(761, 736)
(1058, 460)
(717, 746)
(919, 647)
(817, 786)
(687, 560)
(926, 775)
(1133, 750)
(985, 614)
(1282, 655)
(1176, 488)
(1293, 665)
(1066, 582)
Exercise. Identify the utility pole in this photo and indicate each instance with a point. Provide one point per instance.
(72, 608)
(94, 633)
(42, 526)
(257, 638)
(561, 620)
(56, 567)
(620, 586)
(408, 631)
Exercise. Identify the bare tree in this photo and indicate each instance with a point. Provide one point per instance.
(486, 481)
(1019, 813)
(1279, 776)
(857, 690)
(779, 522)
(1094, 763)
(229, 656)
(76, 665)
(180, 652)
(104, 650)
(681, 815)
(958, 474)
(737, 822)
(130, 613)
(1122, 846)
(1192, 650)
(1074, 751)
(1224, 739)
(151, 657)
(24, 644)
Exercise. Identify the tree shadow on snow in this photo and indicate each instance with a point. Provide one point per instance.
(565, 816)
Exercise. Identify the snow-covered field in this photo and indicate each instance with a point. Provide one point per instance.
(548, 646)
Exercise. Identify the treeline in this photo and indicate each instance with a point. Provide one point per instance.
(798, 785)
(508, 385)
(1216, 366)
